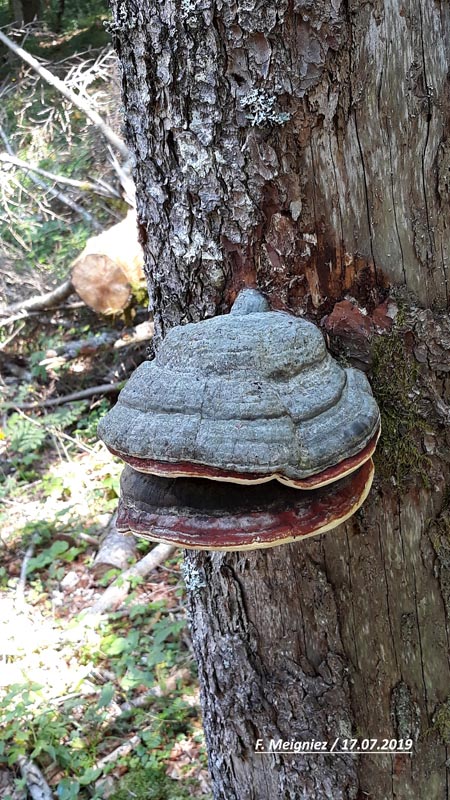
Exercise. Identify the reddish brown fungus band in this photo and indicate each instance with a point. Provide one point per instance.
(243, 517)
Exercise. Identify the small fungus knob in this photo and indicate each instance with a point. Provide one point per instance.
(249, 301)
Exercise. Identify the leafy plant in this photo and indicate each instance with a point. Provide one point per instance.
(24, 437)
(57, 552)
(72, 734)
(151, 783)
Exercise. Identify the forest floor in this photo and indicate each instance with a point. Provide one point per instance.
(98, 706)
(66, 684)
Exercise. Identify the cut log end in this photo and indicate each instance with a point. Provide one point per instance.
(109, 267)
(101, 284)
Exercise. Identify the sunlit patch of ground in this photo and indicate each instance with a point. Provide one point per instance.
(91, 702)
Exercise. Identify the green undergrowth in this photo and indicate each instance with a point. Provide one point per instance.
(394, 381)
(151, 784)
(66, 678)
(68, 731)
(40, 234)
(78, 16)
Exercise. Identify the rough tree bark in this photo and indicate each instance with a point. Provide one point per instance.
(303, 147)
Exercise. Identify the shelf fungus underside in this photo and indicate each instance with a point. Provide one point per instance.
(245, 397)
(195, 513)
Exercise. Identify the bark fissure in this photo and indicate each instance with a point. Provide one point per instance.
(366, 191)
(353, 105)
(420, 644)
(391, 163)
(337, 191)
(445, 271)
(394, 205)
(354, 627)
(389, 607)
(427, 90)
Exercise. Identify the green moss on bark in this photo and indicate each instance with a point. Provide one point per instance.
(441, 721)
(395, 374)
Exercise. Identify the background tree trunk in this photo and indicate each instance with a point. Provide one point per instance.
(24, 11)
(302, 147)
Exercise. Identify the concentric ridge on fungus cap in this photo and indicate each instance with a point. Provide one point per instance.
(250, 393)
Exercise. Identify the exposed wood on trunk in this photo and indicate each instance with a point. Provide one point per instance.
(302, 147)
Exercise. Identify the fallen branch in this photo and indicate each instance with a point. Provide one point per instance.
(88, 346)
(141, 333)
(37, 786)
(117, 550)
(115, 594)
(100, 187)
(20, 589)
(41, 302)
(77, 101)
(119, 752)
(159, 690)
(104, 388)
(85, 537)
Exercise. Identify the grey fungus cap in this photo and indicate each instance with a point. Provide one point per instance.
(245, 397)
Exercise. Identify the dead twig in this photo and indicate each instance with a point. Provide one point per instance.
(119, 752)
(116, 551)
(56, 435)
(20, 589)
(74, 98)
(14, 334)
(61, 196)
(160, 690)
(104, 388)
(100, 187)
(41, 303)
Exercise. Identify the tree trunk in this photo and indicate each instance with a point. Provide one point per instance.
(301, 147)
(24, 11)
(59, 15)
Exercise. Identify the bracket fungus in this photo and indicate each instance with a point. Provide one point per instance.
(246, 398)
(192, 513)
